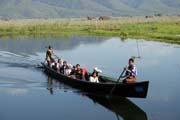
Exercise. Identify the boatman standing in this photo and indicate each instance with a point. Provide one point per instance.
(49, 55)
(131, 72)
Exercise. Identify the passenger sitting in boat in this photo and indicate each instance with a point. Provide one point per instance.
(63, 67)
(67, 70)
(59, 64)
(84, 74)
(54, 67)
(94, 77)
(131, 72)
(73, 70)
(49, 55)
(78, 72)
(97, 71)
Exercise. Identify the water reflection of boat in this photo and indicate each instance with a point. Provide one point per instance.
(121, 106)
(52, 84)
(138, 89)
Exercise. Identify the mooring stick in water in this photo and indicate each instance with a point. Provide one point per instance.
(139, 56)
(178, 66)
(138, 50)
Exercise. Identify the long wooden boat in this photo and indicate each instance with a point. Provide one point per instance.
(138, 89)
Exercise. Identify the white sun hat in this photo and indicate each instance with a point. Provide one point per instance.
(97, 70)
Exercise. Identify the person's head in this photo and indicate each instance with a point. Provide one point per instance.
(73, 68)
(60, 61)
(55, 64)
(49, 47)
(94, 74)
(64, 63)
(67, 67)
(78, 66)
(131, 61)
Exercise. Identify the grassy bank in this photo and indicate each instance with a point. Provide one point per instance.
(166, 29)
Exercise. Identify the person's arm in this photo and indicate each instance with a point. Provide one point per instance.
(97, 80)
(133, 71)
(128, 70)
(52, 52)
(91, 79)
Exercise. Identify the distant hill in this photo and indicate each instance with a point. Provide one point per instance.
(82, 8)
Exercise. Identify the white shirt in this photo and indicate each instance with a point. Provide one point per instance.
(52, 64)
(59, 65)
(92, 79)
(134, 71)
(67, 71)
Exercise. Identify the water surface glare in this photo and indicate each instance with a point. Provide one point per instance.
(26, 92)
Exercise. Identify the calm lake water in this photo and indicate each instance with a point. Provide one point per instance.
(27, 93)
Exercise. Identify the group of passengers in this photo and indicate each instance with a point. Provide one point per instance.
(77, 72)
(69, 70)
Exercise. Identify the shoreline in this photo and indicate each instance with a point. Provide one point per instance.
(163, 29)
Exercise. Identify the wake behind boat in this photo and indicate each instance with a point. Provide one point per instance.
(104, 86)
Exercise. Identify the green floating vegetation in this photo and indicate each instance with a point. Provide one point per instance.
(163, 29)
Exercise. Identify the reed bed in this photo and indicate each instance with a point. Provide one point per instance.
(165, 29)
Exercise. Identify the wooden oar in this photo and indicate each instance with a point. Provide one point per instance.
(117, 82)
(56, 56)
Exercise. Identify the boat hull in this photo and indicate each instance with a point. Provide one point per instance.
(138, 89)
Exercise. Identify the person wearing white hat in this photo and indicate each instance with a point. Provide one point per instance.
(94, 78)
(97, 71)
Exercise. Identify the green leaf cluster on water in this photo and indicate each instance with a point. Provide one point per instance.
(167, 30)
